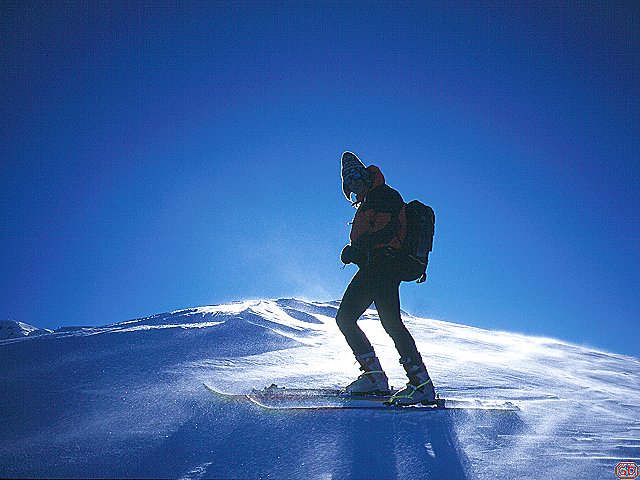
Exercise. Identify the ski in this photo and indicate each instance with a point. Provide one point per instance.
(283, 398)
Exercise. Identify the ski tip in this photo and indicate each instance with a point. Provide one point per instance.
(218, 392)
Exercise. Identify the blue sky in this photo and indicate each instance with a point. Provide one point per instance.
(157, 158)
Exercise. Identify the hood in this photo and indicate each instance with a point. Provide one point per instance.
(377, 180)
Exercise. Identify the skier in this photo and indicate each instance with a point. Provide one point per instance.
(376, 236)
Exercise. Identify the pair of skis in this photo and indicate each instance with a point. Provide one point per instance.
(282, 398)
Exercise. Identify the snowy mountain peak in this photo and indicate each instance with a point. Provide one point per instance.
(12, 329)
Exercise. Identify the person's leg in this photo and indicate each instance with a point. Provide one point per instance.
(356, 299)
(387, 301)
(420, 388)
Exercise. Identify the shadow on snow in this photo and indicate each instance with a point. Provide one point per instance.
(233, 439)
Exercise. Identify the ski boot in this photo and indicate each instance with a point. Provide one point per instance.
(373, 381)
(420, 387)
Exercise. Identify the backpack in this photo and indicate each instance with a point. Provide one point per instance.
(418, 242)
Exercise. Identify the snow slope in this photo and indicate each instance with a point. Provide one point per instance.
(126, 401)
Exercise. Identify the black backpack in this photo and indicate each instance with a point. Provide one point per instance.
(421, 221)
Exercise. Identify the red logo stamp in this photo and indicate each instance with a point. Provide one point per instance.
(627, 470)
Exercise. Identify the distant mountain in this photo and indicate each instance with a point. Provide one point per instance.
(126, 400)
(12, 329)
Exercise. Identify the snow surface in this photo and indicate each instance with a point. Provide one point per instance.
(126, 401)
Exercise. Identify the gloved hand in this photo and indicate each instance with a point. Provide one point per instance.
(348, 254)
(351, 254)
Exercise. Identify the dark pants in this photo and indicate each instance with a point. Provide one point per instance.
(377, 283)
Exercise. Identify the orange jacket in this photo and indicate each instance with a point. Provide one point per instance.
(380, 220)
